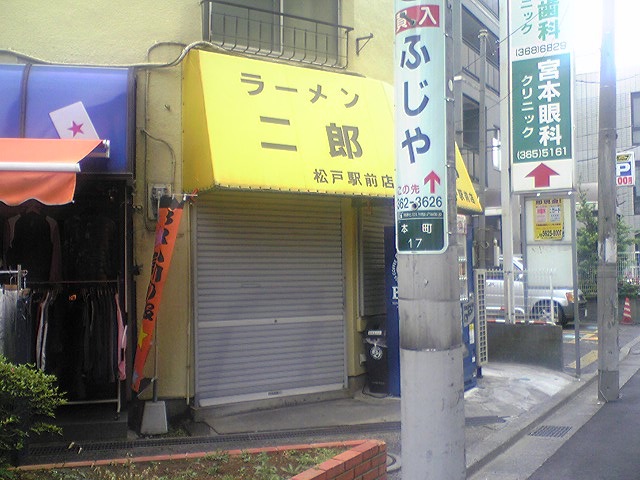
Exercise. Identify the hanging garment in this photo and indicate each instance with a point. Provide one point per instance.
(33, 241)
(42, 331)
(89, 245)
(122, 341)
(7, 325)
(15, 324)
(81, 338)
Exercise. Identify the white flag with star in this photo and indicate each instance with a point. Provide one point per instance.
(73, 121)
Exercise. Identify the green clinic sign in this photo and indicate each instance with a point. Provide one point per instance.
(541, 89)
(540, 63)
(420, 140)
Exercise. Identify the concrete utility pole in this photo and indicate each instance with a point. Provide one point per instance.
(431, 352)
(482, 147)
(608, 348)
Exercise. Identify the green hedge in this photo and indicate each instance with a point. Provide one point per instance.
(28, 402)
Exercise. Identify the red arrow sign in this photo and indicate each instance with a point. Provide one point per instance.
(542, 175)
(433, 178)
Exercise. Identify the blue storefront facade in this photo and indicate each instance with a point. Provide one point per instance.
(75, 254)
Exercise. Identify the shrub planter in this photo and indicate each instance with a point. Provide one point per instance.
(364, 460)
(28, 401)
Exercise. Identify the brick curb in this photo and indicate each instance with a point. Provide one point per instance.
(363, 459)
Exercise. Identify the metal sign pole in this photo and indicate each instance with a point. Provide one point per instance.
(576, 299)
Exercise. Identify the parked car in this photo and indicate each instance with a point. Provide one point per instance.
(545, 301)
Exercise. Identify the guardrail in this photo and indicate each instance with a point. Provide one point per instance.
(628, 274)
(535, 296)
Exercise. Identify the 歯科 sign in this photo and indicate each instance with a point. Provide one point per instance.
(541, 101)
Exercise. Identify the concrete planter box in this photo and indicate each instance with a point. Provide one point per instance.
(367, 461)
(531, 344)
(634, 303)
(364, 460)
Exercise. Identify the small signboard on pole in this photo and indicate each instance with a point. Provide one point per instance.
(420, 94)
(548, 217)
(625, 169)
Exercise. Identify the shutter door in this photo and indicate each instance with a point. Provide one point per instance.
(269, 296)
(373, 219)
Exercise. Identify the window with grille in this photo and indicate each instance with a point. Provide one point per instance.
(298, 30)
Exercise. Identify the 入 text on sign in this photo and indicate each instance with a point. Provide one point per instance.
(420, 97)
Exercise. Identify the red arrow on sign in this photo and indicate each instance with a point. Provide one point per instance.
(432, 178)
(542, 175)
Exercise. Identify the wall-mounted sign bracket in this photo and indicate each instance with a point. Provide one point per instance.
(361, 42)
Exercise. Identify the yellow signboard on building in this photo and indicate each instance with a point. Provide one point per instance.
(254, 124)
(278, 127)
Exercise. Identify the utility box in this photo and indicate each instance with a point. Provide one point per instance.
(377, 367)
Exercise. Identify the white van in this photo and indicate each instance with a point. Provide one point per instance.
(544, 300)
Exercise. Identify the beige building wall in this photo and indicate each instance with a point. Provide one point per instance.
(148, 36)
(129, 34)
(375, 59)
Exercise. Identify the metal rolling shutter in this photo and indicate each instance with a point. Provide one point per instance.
(269, 296)
(373, 219)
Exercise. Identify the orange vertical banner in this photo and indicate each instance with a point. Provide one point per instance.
(169, 216)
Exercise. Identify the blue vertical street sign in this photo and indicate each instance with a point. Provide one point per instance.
(391, 303)
(420, 97)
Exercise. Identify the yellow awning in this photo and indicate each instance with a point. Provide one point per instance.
(254, 124)
(261, 125)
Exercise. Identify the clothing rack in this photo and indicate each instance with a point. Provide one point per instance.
(73, 282)
(21, 276)
(87, 283)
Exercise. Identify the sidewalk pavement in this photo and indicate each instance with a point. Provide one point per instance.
(508, 402)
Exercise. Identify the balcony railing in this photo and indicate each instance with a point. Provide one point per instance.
(267, 33)
(471, 64)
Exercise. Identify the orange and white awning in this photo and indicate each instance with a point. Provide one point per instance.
(41, 169)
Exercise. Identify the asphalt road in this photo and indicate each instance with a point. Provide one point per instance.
(587, 344)
(606, 447)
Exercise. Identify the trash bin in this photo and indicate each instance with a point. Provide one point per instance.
(377, 369)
